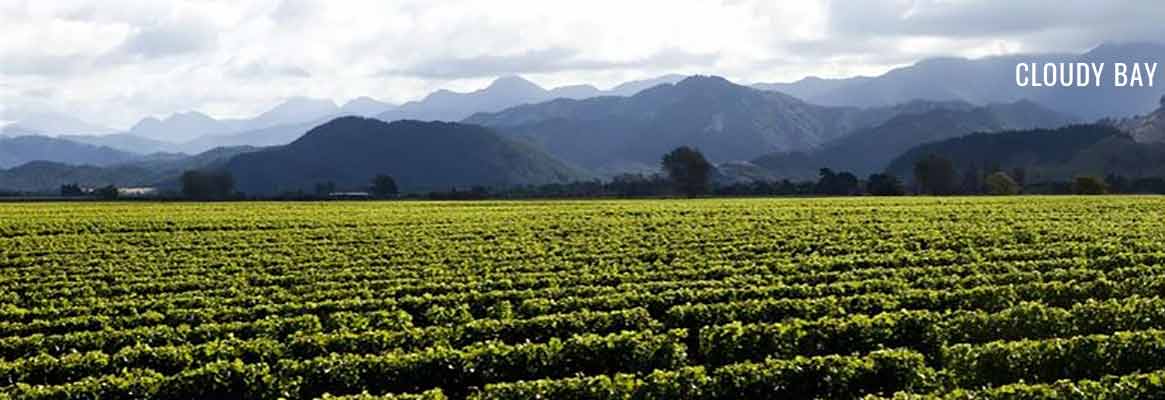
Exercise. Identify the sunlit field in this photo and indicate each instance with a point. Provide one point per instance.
(657, 299)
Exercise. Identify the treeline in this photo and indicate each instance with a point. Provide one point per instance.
(685, 172)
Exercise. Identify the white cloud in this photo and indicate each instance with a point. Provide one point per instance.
(115, 61)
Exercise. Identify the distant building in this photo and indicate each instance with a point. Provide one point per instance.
(137, 192)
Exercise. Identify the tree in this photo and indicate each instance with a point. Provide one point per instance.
(1116, 183)
(1019, 175)
(688, 171)
(638, 185)
(71, 190)
(972, 180)
(202, 185)
(106, 193)
(935, 175)
(384, 186)
(1088, 185)
(836, 184)
(884, 185)
(1000, 184)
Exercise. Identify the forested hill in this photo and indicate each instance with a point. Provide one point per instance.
(1045, 154)
(350, 151)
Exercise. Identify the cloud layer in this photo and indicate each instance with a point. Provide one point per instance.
(113, 62)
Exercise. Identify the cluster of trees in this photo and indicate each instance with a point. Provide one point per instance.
(935, 175)
(1120, 184)
(688, 173)
(208, 185)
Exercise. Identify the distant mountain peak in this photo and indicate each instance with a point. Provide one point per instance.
(514, 83)
(296, 109)
(705, 79)
(365, 106)
(633, 87)
(360, 100)
(189, 115)
(144, 122)
(708, 83)
(1123, 47)
(302, 101)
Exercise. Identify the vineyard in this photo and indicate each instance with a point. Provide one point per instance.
(879, 298)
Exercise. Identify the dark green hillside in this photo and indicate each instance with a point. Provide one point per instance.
(1046, 155)
(350, 151)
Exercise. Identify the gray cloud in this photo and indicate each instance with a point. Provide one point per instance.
(168, 39)
(47, 65)
(548, 60)
(268, 70)
(115, 61)
(995, 18)
(295, 10)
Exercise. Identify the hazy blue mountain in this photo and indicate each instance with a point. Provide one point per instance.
(22, 149)
(811, 87)
(181, 127)
(270, 136)
(574, 92)
(868, 150)
(365, 107)
(1109, 101)
(1045, 155)
(293, 111)
(630, 88)
(503, 93)
(52, 124)
(194, 126)
(158, 170)
(445, 105)
(122, 141)
(724, 120)
(992, 80)
(350, 151)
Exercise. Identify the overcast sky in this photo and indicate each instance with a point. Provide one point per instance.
(113, 62)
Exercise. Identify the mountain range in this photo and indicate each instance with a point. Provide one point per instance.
(52, 123)
(156, 170)
(195, 132)
(991, 80)
(726, 121)
(503, 93)
(868, 150)
(516, 132)
(350, 151)
(1045, 154)
(23, 149)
